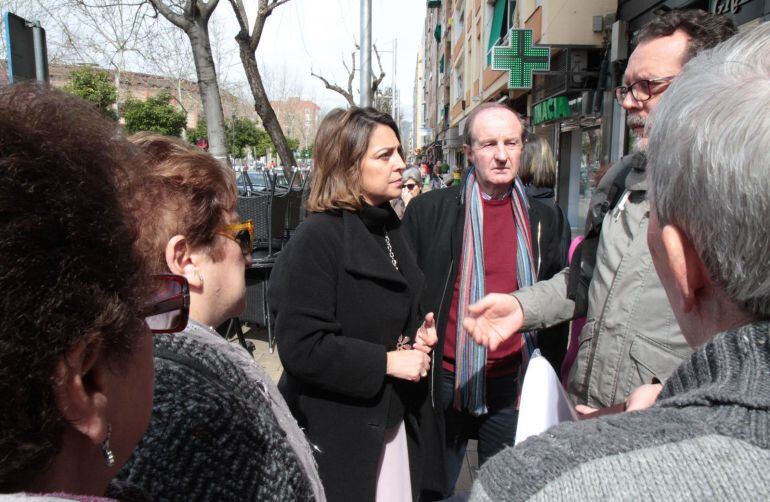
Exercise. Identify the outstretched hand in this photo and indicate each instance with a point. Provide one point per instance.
(493, 319)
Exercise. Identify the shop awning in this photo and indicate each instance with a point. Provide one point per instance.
(497, 26)
(434, 3)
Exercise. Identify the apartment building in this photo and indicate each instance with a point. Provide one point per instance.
(459, 36)
(299, 119)
(572, 105)
(420, 134)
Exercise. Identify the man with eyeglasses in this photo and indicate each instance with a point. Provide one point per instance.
(631, 341)
(481, 236)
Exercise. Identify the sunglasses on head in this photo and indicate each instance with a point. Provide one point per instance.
(242, 233)
(168, 306)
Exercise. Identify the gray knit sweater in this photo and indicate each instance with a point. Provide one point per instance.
(706, 438)
(220, 429)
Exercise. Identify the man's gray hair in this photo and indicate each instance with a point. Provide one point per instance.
(709, 164)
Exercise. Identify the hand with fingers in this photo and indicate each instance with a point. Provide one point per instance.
(411, 364)
(640, 398)
(426, 337)
(493, 319)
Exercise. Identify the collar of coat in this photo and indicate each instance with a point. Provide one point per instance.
(363, 255)
(637, 177)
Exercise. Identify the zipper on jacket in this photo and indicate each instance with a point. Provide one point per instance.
(433, 353)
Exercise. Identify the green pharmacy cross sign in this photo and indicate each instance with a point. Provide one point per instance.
(520, 59)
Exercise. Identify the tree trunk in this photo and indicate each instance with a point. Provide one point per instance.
(209, 88)
(262, 103)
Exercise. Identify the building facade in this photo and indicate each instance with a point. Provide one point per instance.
(299, 119)
(419, 133)
(458, 76)
(141, 86)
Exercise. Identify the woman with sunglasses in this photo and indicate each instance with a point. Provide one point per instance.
(220, 429)
(76, 366)
(412, 187)
(345, 293)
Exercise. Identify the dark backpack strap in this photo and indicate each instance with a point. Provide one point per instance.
(581, 268)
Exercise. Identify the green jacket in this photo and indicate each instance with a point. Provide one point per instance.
(631, 336)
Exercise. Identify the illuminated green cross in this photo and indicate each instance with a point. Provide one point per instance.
(520, 59)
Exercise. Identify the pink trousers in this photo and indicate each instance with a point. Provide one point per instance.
(393, 481)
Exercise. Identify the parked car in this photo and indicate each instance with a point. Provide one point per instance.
(251, 182)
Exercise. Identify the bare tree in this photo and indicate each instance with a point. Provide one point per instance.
(248, 41)
(280, 83)
(351, 70)
(170, 56)
(100, 32)
(193, 18)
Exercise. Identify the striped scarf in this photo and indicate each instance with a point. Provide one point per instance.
(471, 358)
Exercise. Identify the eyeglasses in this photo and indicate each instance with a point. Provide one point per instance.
(168, 307)
(241, 233)
(410, 186)
(642, 90)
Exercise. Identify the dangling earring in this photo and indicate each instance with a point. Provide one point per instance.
(109, 457)
(199, 275)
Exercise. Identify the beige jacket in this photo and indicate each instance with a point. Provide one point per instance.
(631, 336)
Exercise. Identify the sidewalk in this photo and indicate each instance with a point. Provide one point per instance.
(272, 364)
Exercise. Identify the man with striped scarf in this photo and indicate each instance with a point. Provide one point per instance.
(480, 237)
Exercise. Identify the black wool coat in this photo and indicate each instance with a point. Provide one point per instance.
(339, 305)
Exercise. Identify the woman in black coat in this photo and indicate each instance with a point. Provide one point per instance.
(344, 294)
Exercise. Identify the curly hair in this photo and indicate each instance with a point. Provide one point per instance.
(340, 146)
(186, 192)
(705, 30)
(68, 270)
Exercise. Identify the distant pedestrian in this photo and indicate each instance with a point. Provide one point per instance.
(412, 187)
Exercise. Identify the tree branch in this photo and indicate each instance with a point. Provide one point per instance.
(334, 87)
(207, 8)
(276, 3)
(351, 74)
(177, 20)
(376, 82)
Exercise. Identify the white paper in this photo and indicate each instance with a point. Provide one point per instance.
(544, 403)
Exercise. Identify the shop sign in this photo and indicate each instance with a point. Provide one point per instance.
(520, 58)
(551, 109)
(725, 6)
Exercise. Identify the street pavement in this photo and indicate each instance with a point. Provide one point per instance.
(272, 364)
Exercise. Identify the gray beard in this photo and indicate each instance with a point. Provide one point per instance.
(637, 121)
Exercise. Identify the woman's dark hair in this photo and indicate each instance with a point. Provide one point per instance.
(340, 146)
(704, 29)
(68, 269)
(186, 192)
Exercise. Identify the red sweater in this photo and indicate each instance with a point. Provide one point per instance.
(499, 277)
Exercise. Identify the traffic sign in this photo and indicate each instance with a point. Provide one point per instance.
(27, 56)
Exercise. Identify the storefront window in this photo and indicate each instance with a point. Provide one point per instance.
(590, 155)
